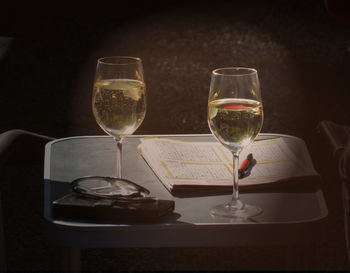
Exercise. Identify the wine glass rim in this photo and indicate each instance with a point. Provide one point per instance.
(119, 60)
(248, 70)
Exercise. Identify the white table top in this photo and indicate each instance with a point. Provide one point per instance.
(287, 217)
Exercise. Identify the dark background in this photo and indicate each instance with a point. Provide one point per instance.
(301, 50)
(302, 54)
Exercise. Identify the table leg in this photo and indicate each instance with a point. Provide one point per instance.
(71, 259)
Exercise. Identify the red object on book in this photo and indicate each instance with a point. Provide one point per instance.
(236, 107)
(246, 163)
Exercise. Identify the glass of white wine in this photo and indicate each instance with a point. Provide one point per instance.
(119, 98)
(235, 117)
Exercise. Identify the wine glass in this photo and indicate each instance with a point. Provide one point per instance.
(119, 98)
(235, 117)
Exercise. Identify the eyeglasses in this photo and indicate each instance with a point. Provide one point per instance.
(111, 188)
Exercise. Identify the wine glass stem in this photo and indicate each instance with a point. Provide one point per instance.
(119, 159)
(235, 192)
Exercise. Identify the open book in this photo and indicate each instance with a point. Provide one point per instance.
(206, 167)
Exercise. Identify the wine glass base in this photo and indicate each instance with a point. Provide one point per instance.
(239, 210)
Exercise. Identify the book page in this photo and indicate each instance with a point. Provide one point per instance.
(178, 162)
(276, 161)
(186, 163)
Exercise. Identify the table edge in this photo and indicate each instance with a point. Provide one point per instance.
(49, 144)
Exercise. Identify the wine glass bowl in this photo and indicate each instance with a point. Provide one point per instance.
(235, 122)
(235, 117)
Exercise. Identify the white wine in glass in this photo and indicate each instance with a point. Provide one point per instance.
(119, 98)
(235, 117)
